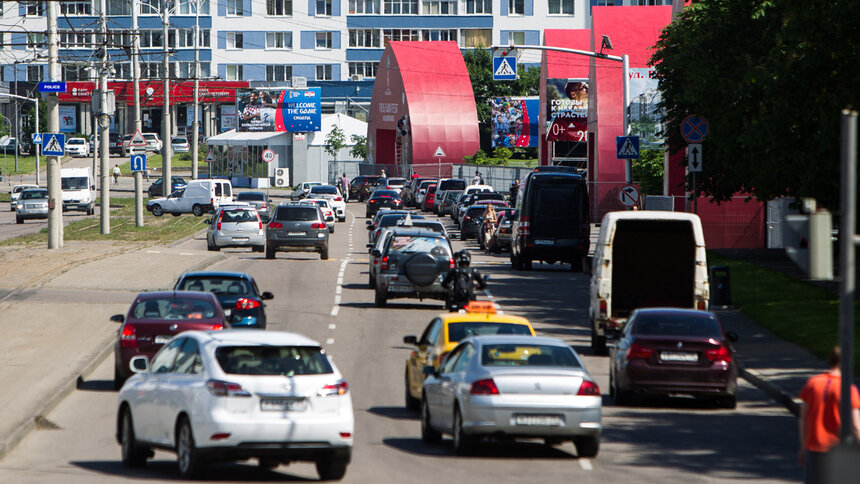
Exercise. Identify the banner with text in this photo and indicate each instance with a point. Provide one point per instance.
(293, 111)
(567, 109)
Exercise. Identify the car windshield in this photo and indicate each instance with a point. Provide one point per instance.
(76, 141)
(172, 308)
(74, 183)
(34, 194)
(677, 325)
(385, 194)
(324, 189)
(237, 215)
(273, 360)
(524, 354)
(218, 285)
(452, 185)
(458, 331)
(251, 196)
(407, 244)
(296, 214)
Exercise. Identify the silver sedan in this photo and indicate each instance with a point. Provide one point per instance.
(236, 226)
(515, 387)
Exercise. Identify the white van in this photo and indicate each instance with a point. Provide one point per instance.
(645, 259)
(198, 197)
(79, 189)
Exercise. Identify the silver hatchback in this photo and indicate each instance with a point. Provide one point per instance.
(32, 203)
(236, 226)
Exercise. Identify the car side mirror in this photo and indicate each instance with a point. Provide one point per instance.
(267, 295)
(732, 336)
(117, 318)
(375, 253)
(410, 340)
(430, 371)
(139, 364)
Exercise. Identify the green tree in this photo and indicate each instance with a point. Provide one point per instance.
(359, 148)
(648, 172)
(771, 79)
(29, 111)
(335, 141)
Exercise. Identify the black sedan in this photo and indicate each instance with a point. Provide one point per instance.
(154, 190)
(382, 198)
(236, 291)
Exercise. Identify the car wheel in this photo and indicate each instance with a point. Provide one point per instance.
(258, 248)
(412, 403)
(187, 456)
(324, 253)
(463, 444)
(18, 219)
(587, 446)
(197, 210)
(429, 435)
(132, 454)
(381, 299)
(175, 214)
(118, 380)
(270, 252)
(527, 264)
(157, 210)
(332, 467)
(728, 401)
(331, 230)
(91, 211)
(621, 397)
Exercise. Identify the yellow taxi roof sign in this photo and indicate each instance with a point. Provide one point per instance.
(487, 307)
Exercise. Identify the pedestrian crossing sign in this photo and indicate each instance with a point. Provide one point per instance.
(627, 147)
(504, 68)
(54, 144)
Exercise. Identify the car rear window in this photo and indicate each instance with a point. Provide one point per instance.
(273, 360)
(384, 193)
(557, 202)
(676, 325)
(180, 140)
(246, 196)
(238, 215)
(397, 181)
(434, 226)
(173, 308)
(452, 185)
(215, 284)
(296, 214)
(392, 219)
(512, 354)
(324, 189)
(458, 331)
(476, 211)
(321, 203)
(408, 244)
(426, 184)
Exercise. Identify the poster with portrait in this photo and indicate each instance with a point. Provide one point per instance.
(514, 122)
(256, 110)
(292, 111)
(646, 117)
(567, 109)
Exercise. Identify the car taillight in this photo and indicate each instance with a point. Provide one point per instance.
(245, 303)
(589, 388)
(523, 229)
(260, 221)
(372, 201)
(217, 327)
(484, 387)
(318, 225)
(700, 305)
(276, 225)
(383, 264)
(451, 263)
(220, 216)
(339, 388)
(719, 354)
(128, 337)
(337, 199)
(637, 351)
(221, 388)
(603, 307)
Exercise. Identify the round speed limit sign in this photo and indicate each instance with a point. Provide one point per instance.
(268, 156)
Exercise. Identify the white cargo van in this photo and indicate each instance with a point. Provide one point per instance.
(645, 259)
(79, 189)
(198, 197)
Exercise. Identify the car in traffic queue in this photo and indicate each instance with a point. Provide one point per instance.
(220, 396)
(32, 204)
(497, 204)
(327, 210)
(115, 144)
(297, 227)
(154, 190)
(382, 198)
(665, 351)
(235, 225)
(153, 142)
(420, 192)
(155, 317)
(302, 189)
(387, 219)
(501, 238)
(258, 200)
(511, 386)
(77, 147)
(412, 264)
(488, 225)
(451, 197)
(410, 190)
(442, 186)
(237, 292)
(429, 198)
(362, 186)
(472, 199)
(445, 332)
(15, 193)
(391, 183)
(179, 144)
(472, 216)
(374, 222)
(335, 198)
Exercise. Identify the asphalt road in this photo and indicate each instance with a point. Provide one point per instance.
(659, 441)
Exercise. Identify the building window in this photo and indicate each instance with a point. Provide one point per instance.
(76, 8)
(279, 40)
(401, 7)
(364, 38)
(650, 2)
(235, 40)
(477, 38)
(561, 7)
(234, 73)
(35, 41)
(76, 73)
(151, 70)
(516, 38)
(76, 40)
(279, 73)
(323, 8)
(369, 7)
(35, 9)
(189, 7)
(516, 7)
(366, 69)
(324, 72)
(389, 35)
(123, 71)
(440, 7)
(149, 7)
(234, 8)
(35, 73)
(151, 38)
(119, 40)
(439, 34)
(280, 8)
(479, 7)
(118, 7)
(323, 40)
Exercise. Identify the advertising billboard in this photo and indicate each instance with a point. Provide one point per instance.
(567, 109)
(515, 122)
(68, 119)
(646, 117)
(228, 117)
(293, 111)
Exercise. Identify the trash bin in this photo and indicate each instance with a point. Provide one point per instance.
(721, 287)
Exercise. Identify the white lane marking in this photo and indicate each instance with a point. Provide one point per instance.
(153, 252)
(337, 300)
(340, 280)
(329, 341)
(338, 290)
(186, 253)
(335, 310)
(586, 464)
(332, 326)
(488, 294)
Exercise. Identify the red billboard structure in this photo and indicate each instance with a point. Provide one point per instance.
(152, 92)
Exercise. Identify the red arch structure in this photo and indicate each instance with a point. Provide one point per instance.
(422, 100)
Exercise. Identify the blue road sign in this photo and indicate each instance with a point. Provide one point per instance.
(504, 68)
(138, 163)
(52, 87)
(627, 147)
(37, 138)
(53, 144)
(694, 128)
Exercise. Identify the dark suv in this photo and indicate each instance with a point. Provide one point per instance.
(412, 264)
(297, 227)
(361, 186)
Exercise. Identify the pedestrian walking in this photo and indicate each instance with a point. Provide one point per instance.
(819, 418)
(116, 174)
(344, 187)
(477, 179)
(383, 173)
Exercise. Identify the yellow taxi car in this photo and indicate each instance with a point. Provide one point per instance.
(444, 333)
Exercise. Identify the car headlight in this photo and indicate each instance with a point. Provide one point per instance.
(85, 200)
(20, 205)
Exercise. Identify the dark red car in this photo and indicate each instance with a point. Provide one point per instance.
(154, 317)
(429, 198)
(674, 351)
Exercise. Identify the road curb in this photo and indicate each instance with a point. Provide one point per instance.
(774, 391)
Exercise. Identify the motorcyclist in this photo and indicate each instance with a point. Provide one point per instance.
(462, 281)
(515, 188)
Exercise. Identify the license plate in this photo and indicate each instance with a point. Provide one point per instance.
(538, 420)
(295, 234)
(161, 339)
(283, 404)
(399, 289)
(544, 242)
(678, 356)
(240, 239)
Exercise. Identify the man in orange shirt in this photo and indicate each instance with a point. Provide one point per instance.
(819, 418)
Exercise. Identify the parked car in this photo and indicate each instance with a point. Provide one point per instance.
(198, 197)
(451, 196)
(179, 144)
(412, 264)
(154, 190)
(32, 204)
(16, 193)
(242, 301)
(235, 226)
(332, 193)
(382, 198)
(153, 142)
(77, 147)
(512, 387)
(361, 186)
(155, 317)
(419, 193)
(9, 145)
(443, 186)
(409, 192)
(302, 190)
(233, 395)
(429, 198)
(115, 144)
(297, 227)
(258, 200)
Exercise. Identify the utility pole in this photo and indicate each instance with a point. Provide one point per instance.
(195, 126)
(104, 124)
(166, 151)
(138, 123)
(55, 193)
(17, 131)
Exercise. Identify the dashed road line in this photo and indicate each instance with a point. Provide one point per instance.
(329, 341)
(335, 310)
(586, 464)
(332, 326)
